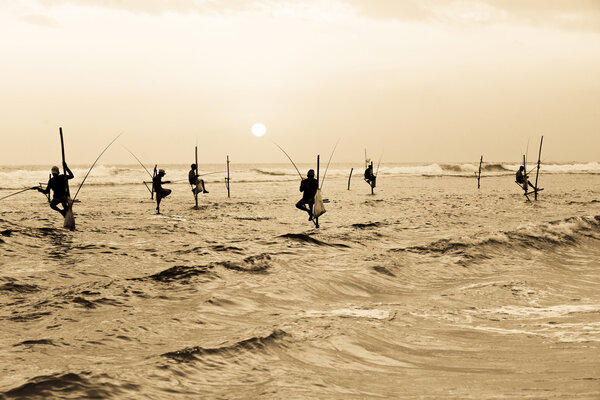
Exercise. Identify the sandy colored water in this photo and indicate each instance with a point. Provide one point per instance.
(430, 288)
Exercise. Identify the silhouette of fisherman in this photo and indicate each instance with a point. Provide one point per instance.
(195, 181)
(161, 192)
(521, 178)
(309, 188)
(369, 177)
(58, 183)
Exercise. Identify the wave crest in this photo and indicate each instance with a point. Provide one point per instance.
(252, 344)
(565, 232)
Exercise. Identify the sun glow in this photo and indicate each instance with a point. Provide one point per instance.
(259, 129)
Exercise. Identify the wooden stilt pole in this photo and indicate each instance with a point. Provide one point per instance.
(48, 195)
(228, 180)
(350, 177)
(69, 222)
(153, 176)
(525, 177)
(196, 183)
(479, 175)
(316, 219)
(536, 190)
(371, 182)
(62, 149)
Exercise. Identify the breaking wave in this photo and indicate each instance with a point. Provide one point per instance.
(253, 344)
(304, 238)
(178, 273)
(267, 172)
(567, 232)
(15, 178)
(258, 264)
(68, 385)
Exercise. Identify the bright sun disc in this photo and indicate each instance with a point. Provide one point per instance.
(258, 129)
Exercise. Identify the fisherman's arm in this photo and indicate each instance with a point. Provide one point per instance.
(46, 190)
(69, 174)
(41, 190)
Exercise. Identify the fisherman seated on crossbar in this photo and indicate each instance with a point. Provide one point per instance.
(521, 178)
(309, 188)
(161, 192)
(195, 181)
(58, 183)
(369, 177)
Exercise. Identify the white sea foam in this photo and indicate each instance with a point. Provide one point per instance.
(18, 177)
(541, 312)
(350, 312)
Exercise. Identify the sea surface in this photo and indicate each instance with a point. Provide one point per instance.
(429, 288)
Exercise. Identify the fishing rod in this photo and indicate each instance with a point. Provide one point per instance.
(538, 169)
(212, 173)
(138, 160)
(535, 166)
(290, 158)
(185, 180)
(16, 193)
(90, 170)
(527, 151)
(378, 164)
(327, 167)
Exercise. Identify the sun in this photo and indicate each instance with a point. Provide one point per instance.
(259, 129)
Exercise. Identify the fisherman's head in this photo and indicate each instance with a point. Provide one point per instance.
(521, 168)
(55, 171)
(193, 166)
(161, 172)
(311, 173)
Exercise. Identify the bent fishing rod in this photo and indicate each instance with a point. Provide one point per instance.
(289, 158)
(138, 160)
(90, 170)
(327, 167)
(378, 164)
(16, 193)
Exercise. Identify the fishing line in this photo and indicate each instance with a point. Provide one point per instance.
(90, 170)
(138, 160)
(327, 167)
(16, 193)
(290, 158)
(185, 180)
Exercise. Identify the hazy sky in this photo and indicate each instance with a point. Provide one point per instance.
(420, 80)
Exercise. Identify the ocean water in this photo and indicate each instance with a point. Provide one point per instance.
(429, 288)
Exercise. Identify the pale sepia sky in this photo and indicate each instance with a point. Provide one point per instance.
(420, 80)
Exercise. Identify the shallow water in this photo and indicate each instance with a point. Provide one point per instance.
(429, 288)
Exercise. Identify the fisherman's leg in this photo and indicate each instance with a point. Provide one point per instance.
(201, 183)
(301, 205)
(65, 205)
(158, 199)
(53, 205)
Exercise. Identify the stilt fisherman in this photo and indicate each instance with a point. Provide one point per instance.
(195, 181)
(58, 183)
(161, 192)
